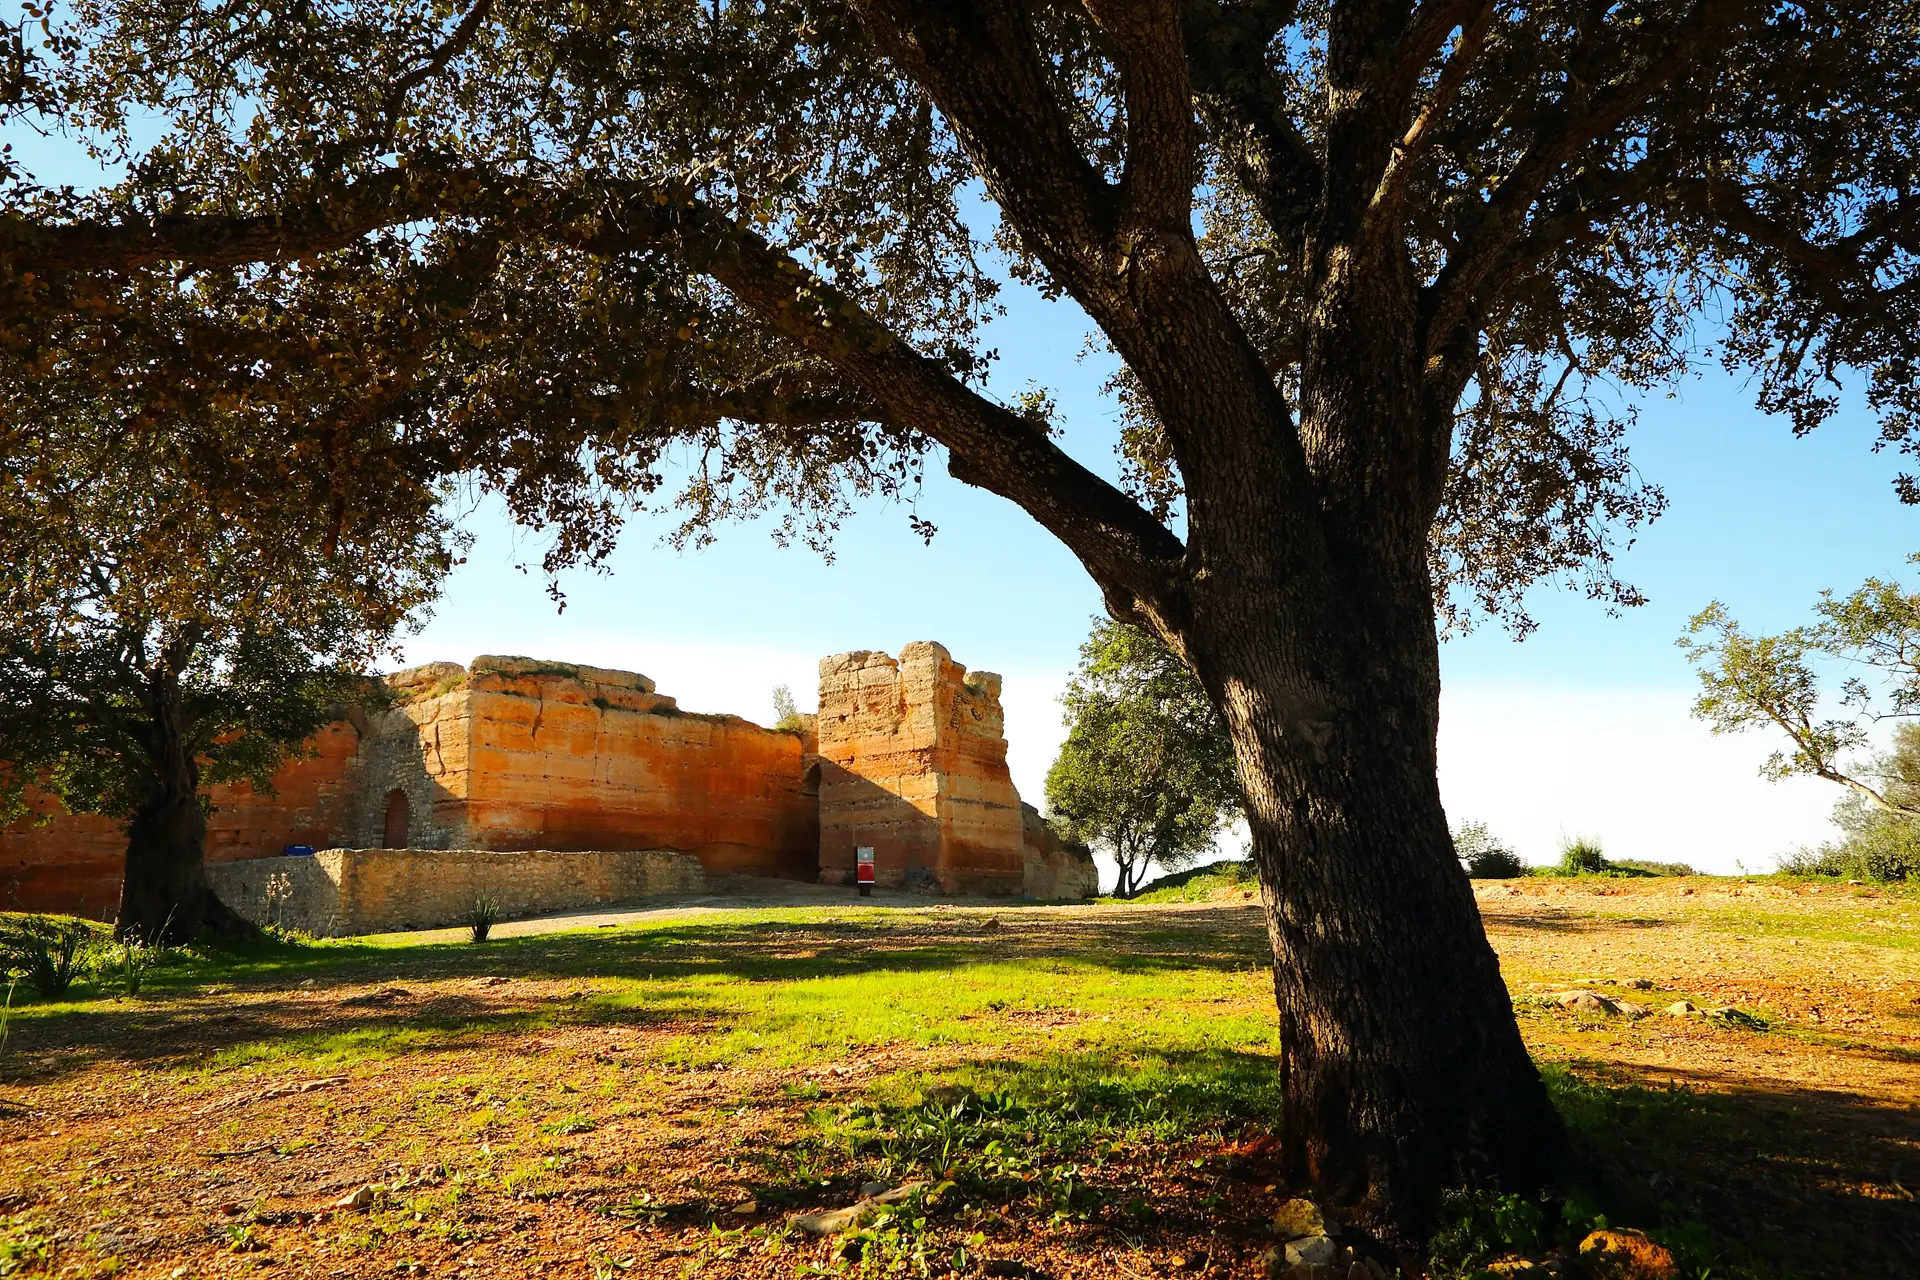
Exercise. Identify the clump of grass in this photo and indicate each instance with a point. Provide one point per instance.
(1583, 856)
(45, 950)
(481, 917)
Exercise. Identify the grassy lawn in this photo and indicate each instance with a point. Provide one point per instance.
(1084, 1091)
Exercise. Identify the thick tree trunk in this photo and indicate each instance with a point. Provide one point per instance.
(1403, 1069)
(164, 895)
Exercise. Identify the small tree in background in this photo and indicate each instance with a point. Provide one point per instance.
(1483, 854)
(1146, 773)
(786, 714)
(164, 624)
(1774, 682)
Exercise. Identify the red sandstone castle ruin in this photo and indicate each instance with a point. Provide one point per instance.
(906, 756)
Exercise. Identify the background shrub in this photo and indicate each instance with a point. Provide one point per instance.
(45, 950)
(1484, 856)
(1582, 856)
(1644, 867)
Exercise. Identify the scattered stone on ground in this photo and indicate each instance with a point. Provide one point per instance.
(1621, 1254)
(1298, 1218)
(833, 1221)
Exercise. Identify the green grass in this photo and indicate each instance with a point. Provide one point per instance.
(1201, 884)
(1042, 1074)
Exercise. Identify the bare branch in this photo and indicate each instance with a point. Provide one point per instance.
(436, 60)
(1383, 211)
(1245, 106)
(979, 61)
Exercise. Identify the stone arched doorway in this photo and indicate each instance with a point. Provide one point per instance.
(399, 819)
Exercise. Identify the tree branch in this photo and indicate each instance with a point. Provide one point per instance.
(437, 60)
(1157, 183)
(989, 446)
(1383, 210)
(979, 61)
(1245, 106)
(1564, 135)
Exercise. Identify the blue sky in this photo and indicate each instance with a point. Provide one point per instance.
(1582, 729)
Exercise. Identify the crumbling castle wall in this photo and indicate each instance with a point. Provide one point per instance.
(913, 763)
(907, 755)
(517, 753)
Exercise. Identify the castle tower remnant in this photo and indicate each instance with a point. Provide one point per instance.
(913, 763)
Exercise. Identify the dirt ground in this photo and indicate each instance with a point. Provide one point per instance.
(506, 1114)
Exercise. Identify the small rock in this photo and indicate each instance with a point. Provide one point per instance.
(871, 1189)
(1518, 1269)
(360, 1199)
(1630, 1009)
(1638, 984)
(1681, 1009)
(1619, 1254)
(1587, 1002)
(990, 924)
(1297, 1218)
(834, 1221)
(745, 1208)
(1310, 1250)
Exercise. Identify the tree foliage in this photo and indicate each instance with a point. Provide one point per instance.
(1775, 682)
(681, 231)
(174, 616)
(1380, 278)
(1146, 772)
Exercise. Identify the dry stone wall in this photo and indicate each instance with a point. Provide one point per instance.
(341, 892)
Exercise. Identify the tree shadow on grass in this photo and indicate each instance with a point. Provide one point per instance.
(288, 996)
(1792, 1182)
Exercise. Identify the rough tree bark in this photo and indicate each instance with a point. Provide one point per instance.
(164, 895)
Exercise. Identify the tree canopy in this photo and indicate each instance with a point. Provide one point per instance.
(747, 230)
(1146, 772)
(1790, 683)
(174, 617)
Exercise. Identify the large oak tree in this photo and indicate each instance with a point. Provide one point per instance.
(1376, 273)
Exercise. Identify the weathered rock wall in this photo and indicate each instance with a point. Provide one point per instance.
(73, 862)
(340, 892)
(913, 762)
(523, 754)
(1054, 868)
